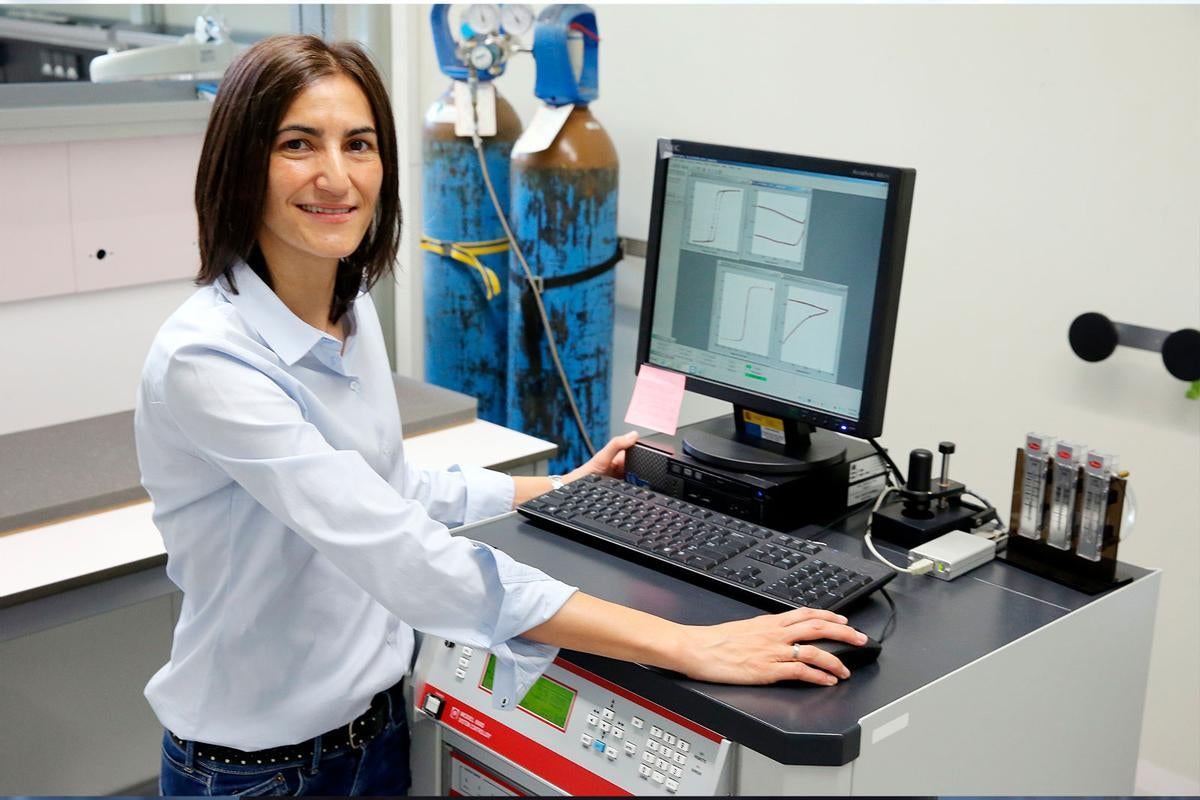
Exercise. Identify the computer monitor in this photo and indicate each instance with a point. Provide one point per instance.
(773, 281)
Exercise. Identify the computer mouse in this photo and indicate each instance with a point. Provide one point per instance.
(852, 655)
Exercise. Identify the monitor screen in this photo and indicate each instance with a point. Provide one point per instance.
(773, 280)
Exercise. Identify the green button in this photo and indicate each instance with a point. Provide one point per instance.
(755, 377)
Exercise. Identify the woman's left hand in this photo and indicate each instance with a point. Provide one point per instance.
(609, 460)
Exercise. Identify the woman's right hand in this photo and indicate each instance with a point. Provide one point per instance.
(760, 649)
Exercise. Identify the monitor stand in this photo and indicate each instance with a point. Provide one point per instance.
(727, 443)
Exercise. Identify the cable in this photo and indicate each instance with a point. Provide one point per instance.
(988, 507)
(829, 526)
(888, 460)
(890, 624)
(918, 568)
(473, 83)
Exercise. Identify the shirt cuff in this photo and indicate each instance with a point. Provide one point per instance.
(488, 492)
(519, 661)
(519, 664)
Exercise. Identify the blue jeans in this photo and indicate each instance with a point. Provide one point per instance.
(380, 767)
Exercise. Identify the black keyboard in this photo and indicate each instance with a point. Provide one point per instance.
(748, 562)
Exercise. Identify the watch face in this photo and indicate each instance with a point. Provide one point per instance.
(516, 18)
(483, 18)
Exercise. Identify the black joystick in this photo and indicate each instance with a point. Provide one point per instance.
(916, 495)
(920, 470)
(927, 508)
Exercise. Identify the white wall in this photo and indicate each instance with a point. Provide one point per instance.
(1056, 160)
(78, 356)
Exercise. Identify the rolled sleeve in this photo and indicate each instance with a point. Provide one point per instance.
(528, 601)
(458, 495)
(488, 492)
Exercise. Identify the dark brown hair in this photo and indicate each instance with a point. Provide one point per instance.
(231, 182)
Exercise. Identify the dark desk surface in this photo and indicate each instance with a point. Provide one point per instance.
(797, 723)
(78, 467)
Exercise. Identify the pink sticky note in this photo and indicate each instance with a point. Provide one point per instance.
(657, 396)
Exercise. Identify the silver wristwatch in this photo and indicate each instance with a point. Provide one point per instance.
(556, 482)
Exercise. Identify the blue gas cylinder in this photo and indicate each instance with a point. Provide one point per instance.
(564, 213)
(466, 257)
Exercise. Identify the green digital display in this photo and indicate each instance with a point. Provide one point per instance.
(548, 700)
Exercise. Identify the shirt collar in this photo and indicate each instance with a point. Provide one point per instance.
(285, 333)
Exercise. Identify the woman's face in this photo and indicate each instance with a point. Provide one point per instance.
(324, 175)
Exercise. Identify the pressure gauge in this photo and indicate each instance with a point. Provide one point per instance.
(483, 18)
(516, 18)
(484, 56)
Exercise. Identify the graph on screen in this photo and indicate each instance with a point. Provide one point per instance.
(780, 226)
(746, 311)
(716, 216)
(812, 328)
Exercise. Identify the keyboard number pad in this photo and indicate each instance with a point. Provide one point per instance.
(818, 585)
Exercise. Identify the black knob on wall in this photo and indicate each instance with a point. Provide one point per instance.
(1094, 337)
(1181, 354)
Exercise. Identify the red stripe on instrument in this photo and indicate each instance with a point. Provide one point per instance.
(518, 748)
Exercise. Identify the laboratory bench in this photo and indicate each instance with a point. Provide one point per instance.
(999, 682)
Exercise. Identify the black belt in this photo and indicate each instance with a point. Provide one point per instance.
(356, 733)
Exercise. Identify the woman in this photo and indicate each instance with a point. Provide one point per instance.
(307, 548)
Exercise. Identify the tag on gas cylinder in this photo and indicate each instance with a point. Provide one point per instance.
(543, 129)
(485, 109)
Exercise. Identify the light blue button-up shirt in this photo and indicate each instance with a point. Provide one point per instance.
(306, 546)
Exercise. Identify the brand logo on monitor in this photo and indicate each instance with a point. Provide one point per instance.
(1064, 453)
(1034, 446)
(1095, 464)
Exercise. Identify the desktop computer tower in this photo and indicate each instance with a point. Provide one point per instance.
(782, 502)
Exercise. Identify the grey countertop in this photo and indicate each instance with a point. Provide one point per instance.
(77, 467)
(799, 723)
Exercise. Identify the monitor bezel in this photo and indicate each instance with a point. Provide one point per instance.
(900, 182)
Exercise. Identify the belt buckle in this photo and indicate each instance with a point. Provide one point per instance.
(350, 733)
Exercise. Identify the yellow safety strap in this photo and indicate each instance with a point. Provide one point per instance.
(468, 253)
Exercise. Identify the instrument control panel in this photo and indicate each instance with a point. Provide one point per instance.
(573, 730)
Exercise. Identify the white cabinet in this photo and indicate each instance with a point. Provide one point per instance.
(89, 215)
(132, 213)
(35, 222)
